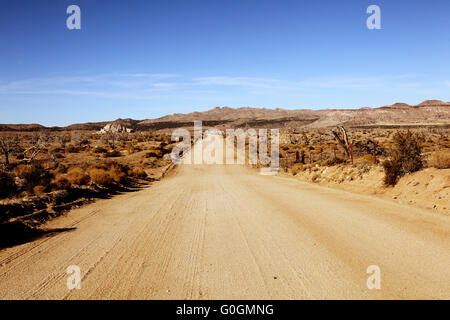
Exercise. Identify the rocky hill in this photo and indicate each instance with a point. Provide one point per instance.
(430, 112)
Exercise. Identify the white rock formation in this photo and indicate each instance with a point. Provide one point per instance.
(115, 128)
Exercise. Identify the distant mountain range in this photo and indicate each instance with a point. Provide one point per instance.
(430, 112)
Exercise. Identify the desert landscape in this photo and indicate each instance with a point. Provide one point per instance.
(355, 187)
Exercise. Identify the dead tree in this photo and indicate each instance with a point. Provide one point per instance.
(37, 143)
(8, 144)
(342, 141)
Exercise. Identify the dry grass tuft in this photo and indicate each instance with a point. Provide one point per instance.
(100, 177)
(296, 168)
(61, 183)
(137, 172)
(440, 159)
(78, 176)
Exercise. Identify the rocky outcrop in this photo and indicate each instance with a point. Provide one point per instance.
(115, 127)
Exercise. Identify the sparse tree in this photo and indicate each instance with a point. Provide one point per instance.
(37, 144)
(343, 141)
(8, 145)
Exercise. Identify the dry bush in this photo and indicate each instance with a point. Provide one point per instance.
(405, 157)
(112, 154)
(77, 176)
(100, 150)
(156, 153)
(7, 184)
(118, 173)
(100, 177)
(70, 148)
(8, 144)
(55, 148)
(133, 149)
(61, 183)
(367, 159)
(335, 161)
(440, 159)
(108, 173)
(137, 172)
(33, 175)
(296, 168)
(38, 190)
(392, 171)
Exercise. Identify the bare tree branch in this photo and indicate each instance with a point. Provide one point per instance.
(8, 144)
(37, 143)
(342, 141)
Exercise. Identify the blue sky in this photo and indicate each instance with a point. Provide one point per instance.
(145, 59)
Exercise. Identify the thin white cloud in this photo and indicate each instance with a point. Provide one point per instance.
(164, 85)
(340, 82)
(108, 85)
(311, 83)
(151, 75)
(145, 85)
(237, 82)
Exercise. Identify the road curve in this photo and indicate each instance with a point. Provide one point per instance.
(226, 232)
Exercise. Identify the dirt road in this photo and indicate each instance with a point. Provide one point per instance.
(226, 232)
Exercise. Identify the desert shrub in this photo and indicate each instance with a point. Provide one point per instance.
(33, 175)
(100, 177)
(100, 150)
(70, 148)
(77, 176)
(440, 159)
(137, 172)
(296, 168)
(38, 190)
(133, 149)
(391, 172)
(405, 157)
(367, 159)
(61, 183)
(54, 150)
(118, 174)
(154, 153)
(334, 161)
(7, 184)
(112, 154)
